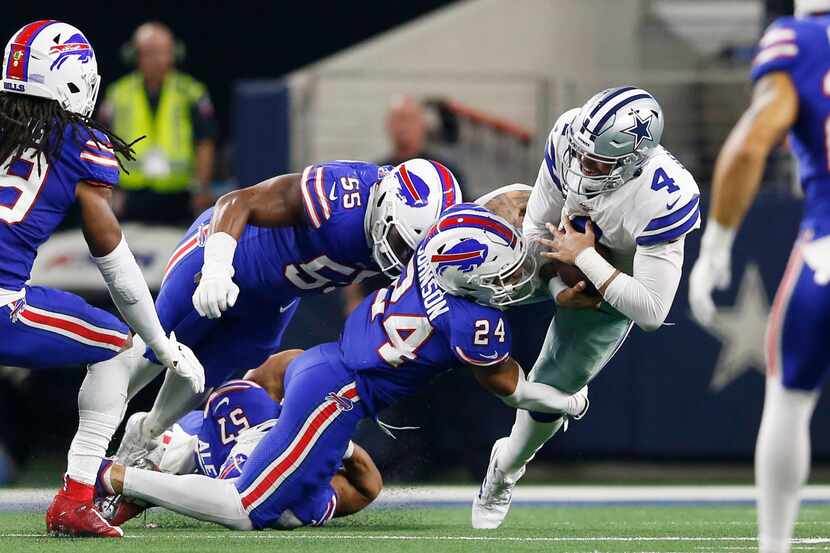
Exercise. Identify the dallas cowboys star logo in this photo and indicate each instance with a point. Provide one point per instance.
(740, 330)
(641, 130)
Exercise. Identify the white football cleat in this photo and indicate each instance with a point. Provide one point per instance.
(134, 444)
(492, 503)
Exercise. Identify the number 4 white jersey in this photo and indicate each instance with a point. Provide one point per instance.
(660, 205)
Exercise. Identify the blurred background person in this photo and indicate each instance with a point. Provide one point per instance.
(170, 179)
(406, 127)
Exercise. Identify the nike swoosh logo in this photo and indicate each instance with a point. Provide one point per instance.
(494, 356)
(284, 308)
(224, 401)
(674, 203)
(332, 197)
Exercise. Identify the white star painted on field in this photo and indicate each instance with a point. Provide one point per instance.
(741, 330)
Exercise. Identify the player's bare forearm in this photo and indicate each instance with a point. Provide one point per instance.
(741, 161)
(500, 379)
(275, 202)
(358, 484)
(101, 229)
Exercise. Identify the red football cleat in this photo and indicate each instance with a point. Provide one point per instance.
(73, 514)
(125, 510)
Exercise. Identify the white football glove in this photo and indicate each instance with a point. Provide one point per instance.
(216, 291)
(711, 271)
(181, 360)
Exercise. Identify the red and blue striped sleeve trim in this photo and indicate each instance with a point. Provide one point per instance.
(317, 206)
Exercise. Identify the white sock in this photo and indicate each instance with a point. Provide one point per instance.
(102, 401)
(782, 462)
(526, 437)
(192, 495)
(174, 400)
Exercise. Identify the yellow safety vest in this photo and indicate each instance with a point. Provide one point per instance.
(169, 130)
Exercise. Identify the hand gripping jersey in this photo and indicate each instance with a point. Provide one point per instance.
(397, 340)
(660, 205)
(35, 197)
(801, 48)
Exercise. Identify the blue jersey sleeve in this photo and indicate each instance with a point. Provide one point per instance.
(90, 158)
(479, 335)
(782, 48)
(335, 191)
(335, 198)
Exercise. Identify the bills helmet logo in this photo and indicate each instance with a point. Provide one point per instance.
(412, 189)
(343, 403)
(466, 256)
(77, 45)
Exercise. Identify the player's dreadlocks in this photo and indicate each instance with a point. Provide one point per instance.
(39, 123)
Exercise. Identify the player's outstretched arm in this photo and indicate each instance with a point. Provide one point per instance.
(507, 381)
(741, 161)
(358, 484)
(738, 171)
(275, 202)
(272, 203)
(126, 283)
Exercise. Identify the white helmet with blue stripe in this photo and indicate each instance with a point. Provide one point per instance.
(53, 60)
(477, 254)
(610, 140)
(402, 208)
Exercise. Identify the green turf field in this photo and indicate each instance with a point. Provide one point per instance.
(574, 529)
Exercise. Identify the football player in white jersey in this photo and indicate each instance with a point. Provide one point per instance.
(605, 172)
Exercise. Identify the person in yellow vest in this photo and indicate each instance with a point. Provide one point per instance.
(169, 181)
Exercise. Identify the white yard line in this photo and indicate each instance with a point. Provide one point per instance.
(593, 494)
(36, 499)
(322, 536)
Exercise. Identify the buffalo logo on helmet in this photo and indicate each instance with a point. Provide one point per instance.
(77, 45)
(412, 189)
(466, 256)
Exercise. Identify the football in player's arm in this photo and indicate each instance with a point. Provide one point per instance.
(660, 205)
(605, 180)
